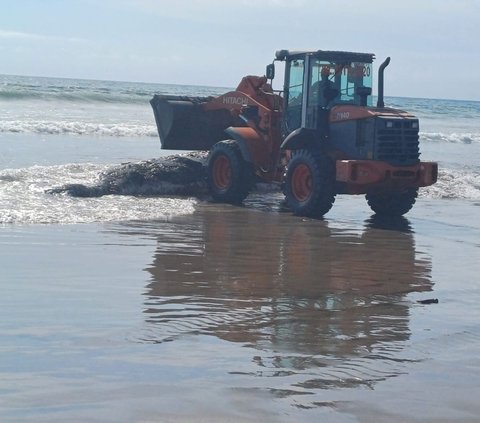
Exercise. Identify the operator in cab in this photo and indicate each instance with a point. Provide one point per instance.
(323, 91)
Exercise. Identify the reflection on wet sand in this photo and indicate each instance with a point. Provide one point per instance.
(326, 307)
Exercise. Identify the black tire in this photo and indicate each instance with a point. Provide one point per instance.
(230, 177)
(392, 203)
(309, 183)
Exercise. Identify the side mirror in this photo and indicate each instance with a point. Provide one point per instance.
(270, 71)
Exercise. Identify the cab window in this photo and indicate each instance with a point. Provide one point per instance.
(354, 76)
(347, 78)
(296, 70)
(295, 82)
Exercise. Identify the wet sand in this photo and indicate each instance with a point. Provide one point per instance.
(244, 314)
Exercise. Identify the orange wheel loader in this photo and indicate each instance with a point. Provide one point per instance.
(318, 137)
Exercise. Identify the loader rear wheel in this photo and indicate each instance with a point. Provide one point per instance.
(230, 177)
(393, 203)
(309, 184)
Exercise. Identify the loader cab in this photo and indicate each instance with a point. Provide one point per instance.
(317, 81)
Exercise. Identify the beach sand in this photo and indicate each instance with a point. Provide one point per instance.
(244, 314)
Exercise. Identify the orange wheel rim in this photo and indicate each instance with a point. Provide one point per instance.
(302, 182)
(222, 172)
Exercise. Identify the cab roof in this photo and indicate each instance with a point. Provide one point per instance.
(329, 55)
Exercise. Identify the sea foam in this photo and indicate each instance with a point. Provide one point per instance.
(25, 199)
(454, 184)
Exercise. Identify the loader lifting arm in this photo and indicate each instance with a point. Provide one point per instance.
(197, 123)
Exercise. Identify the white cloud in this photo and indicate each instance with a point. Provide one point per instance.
(20, 35)
(29, 36)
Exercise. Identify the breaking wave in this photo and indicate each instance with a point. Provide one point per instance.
(76, 95)
(146, 129)
(79, 128)
(457, 138)
(15, 88)
(454, 184)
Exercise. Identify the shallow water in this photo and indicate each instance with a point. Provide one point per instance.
(243, 314)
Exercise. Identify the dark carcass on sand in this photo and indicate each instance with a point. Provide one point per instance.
(170, 175)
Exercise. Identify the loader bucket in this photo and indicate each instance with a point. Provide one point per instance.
(183, 124)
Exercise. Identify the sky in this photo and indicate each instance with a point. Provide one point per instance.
(433, 44)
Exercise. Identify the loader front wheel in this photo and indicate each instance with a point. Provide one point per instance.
(230, 177)
(309, 183)
(392, 203)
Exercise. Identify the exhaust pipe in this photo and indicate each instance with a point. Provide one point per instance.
(381, 69)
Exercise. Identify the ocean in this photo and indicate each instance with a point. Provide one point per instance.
(56, 131)
(167, 308)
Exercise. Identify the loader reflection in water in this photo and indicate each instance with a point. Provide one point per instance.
(325, 305)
